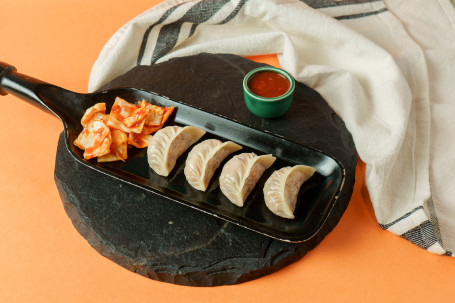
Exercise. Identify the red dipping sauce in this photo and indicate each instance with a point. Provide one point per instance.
(268, 84)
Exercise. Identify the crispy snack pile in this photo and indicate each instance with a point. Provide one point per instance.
(107, 136)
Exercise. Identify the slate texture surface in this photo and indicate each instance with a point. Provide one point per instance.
(169, 242)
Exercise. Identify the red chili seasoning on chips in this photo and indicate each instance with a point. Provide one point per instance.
(268, 84)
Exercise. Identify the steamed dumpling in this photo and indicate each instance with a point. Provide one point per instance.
(282, 187)
(168, 144)
(240, 175)
(204, 159)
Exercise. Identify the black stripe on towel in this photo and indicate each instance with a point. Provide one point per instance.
(387, 226)
(149, 29)
(199, 13)
(421, 235)
(331, 3)
(226, 20)
(234, 12)
(361, 15)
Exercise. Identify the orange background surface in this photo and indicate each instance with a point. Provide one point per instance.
(44, 259)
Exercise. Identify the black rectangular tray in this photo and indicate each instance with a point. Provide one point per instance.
(316, 197)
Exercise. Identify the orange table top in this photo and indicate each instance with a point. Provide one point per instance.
(44, 259)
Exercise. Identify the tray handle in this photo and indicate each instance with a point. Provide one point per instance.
(5, 69)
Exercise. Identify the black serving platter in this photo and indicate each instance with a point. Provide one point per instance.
(317, 196)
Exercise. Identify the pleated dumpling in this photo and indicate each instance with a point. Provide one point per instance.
(204, 159)
(168, 144)
(240, 175)
(282, 187)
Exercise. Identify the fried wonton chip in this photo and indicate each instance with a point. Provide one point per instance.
(95, 139)
(118, 148)
(151, 124)
(138, 140)
(127, 116)
(107, 136)
(136, 120)
(96, 112)
(155, 113)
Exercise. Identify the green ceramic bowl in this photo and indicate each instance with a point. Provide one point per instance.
(266, 107)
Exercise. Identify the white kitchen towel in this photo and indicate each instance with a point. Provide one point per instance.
(367, 58)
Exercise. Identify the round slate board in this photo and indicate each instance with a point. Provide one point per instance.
(170, 242)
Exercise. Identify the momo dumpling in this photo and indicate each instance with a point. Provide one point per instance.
(204, 159)
(168, 144)
(240, 175)
(282, 187)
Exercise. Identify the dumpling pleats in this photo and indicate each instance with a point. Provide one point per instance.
(204, 159)
(240, 175)
(282, 187)
(168, 144)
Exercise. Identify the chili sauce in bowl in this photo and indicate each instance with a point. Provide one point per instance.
(268, 91)
(268, 84)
